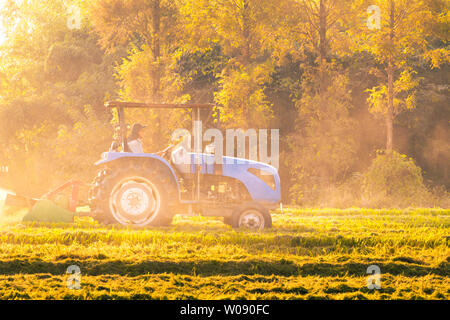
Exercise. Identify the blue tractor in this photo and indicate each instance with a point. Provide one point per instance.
(146, 189)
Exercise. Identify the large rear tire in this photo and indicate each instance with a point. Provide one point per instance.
(130, 195)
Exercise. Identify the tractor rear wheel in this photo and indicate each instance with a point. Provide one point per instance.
(253, 216)
(130, 195)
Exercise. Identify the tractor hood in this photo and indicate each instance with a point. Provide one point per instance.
(261, 180)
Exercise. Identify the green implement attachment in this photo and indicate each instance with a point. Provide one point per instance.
(48, 208)
(48, 211)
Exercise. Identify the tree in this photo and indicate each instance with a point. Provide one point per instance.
(322, 144)
(150, 31)
(315, 29)
(242, 29)
(148, 28)
(52, 75)
(401, 38)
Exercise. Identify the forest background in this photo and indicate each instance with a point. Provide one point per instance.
(358, 89)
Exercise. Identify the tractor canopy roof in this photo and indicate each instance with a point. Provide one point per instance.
(119, 104)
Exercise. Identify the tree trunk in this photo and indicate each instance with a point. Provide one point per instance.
(156, 50)
(323, 51)
(246, 32)
(390, 74)
(246, 50)
(390, 110)
(156, 74)
(322, 32)
(389, 130)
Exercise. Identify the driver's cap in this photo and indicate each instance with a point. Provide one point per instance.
(138, 126)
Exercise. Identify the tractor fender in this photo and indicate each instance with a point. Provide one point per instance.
(111, 157)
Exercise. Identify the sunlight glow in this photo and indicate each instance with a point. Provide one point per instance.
(2, 31)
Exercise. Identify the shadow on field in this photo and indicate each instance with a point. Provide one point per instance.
(212, 267)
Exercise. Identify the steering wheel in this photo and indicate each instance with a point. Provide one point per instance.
(163, 153)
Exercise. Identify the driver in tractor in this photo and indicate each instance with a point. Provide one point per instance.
(135, 139)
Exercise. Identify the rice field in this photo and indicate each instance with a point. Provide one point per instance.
(308, 254)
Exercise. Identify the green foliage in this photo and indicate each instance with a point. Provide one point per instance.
(323, 144)
(241, 27)
(395, 177)
(135, 74)
(67, 60)
(242, 99)
(195, 72)
(119, 23)
(404, 94)
(312, 71)
(73, 157)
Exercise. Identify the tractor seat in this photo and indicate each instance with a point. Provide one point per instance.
(181, 159)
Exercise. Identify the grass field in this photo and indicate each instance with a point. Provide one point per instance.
(309, 254)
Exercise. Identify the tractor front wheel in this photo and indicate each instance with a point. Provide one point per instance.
(251, 216)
